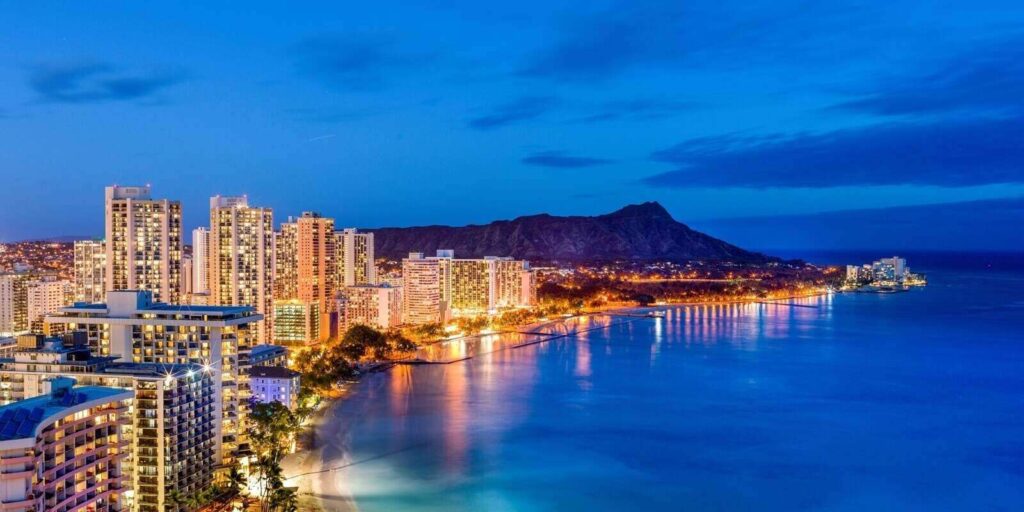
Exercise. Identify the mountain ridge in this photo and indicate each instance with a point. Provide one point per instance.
(642, 232)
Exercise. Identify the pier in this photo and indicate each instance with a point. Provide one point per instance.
(790, 304)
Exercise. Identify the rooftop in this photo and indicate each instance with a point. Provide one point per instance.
(272, 372)
(209, 310)
(153, 369)
(161, 307)
(267, 348)
(21, 419)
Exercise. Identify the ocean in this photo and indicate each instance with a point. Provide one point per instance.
(906, 401)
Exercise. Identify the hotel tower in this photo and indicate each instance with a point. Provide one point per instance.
(132, 327)
(241, 257)
(90, 269)
(200, 255)
(143, 238)
(306, 265)
(355, 258)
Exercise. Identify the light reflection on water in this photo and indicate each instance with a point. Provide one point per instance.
(857, 402)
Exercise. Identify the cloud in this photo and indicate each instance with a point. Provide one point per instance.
(593, 46)
(558, 160)
(950, 153)
(522, 109)
(593, 49)
(95, 83)
(352, 62)
(988, 79)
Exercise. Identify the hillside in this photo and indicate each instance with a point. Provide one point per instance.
(637, 232)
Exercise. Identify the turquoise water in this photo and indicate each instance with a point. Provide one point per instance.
(911, 401)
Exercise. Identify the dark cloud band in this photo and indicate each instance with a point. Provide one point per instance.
(950, 153)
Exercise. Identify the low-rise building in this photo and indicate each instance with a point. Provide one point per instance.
(275, 384)
(296, 323)
(377, 306)
(269, 355)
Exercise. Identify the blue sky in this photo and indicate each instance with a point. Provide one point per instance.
(409, 113)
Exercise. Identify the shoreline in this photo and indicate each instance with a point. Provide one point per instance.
(309, 461)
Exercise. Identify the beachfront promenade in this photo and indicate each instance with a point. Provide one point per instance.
(460, 349)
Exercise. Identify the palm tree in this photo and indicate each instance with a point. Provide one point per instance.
(284, 500)
(236, 480)
(176, 498)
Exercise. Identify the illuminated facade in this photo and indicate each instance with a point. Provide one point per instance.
(241, 258)
(421, 290)
(65, 450)
(46, 296)
(306, 267)
(379, 307)
(269, 355)
(286, 264)
(14, 303)
(143, 238)
(90, 270)
(296, 322)
(200, 265)
(515, 284)
(171, 434)
(130, 325)
(187, 268)
(441, 287)
(275, 384)
(468, 287)
(356, 264)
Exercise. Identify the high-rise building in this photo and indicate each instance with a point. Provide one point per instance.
(143, 237)
(464, 287)
(200, 261)
(485, 285)
(296, 322)
(852, 273)
(515, 284)
(90, 269)
(131, 326)
(286, 264)
(896, 267)
(469, 289)
(241, 271)
(187, 269)
(46, 296)
(356, 264)
(65, 450)
(310, 274)
(14, 302)
(173, 431)
(379, 307)
(421, 290)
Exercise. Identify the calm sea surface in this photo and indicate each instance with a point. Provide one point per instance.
(911, 401)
